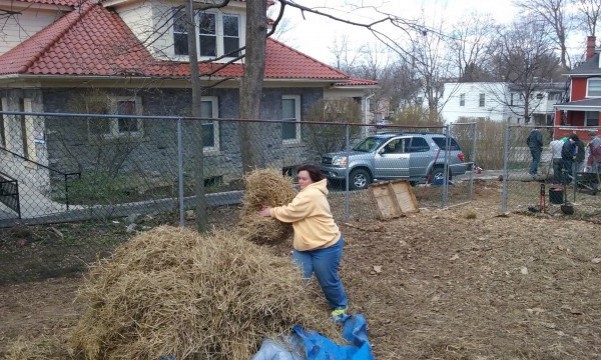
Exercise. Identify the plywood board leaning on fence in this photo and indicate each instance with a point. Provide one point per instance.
(394, 198)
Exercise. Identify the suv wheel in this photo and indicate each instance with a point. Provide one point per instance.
(359, 179)
(437, 175)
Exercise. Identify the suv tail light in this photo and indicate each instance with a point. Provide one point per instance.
(461, 156)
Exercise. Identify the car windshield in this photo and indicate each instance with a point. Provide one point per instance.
(369, 144)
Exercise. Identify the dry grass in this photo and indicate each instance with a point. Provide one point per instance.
(172, 292)
(42, 348)
(265, 187)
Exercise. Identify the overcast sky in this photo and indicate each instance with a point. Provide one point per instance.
(314, 35)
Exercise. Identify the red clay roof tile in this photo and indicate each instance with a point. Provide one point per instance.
(95, 41)
(52, 2)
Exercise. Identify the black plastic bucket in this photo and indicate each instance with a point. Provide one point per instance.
(556, 196)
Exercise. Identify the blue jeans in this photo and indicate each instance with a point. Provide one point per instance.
(536, 154)
(324, 263)
(557, 171)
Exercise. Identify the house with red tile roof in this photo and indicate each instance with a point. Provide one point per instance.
(130, 57)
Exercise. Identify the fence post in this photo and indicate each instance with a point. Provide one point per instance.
(180, 173)
(447, 154)
(474, 154)
(505, 169)
(347, 199)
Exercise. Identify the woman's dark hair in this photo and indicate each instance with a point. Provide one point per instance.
(313, 170)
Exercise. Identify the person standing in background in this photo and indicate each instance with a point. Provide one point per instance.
(594, 148)
(568, 154)
(579, 157)
(556, 146)
(535, 144)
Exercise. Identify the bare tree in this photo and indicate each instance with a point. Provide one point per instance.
(196, 126)
(431, 62)
(472, 46)
(588, 13)
(552, 13)
(345, 58)
(252, 83)
(527, 62)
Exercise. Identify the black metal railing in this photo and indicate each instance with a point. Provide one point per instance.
(9, 193)
(65, 176)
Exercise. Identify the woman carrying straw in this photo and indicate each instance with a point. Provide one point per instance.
(317, 240)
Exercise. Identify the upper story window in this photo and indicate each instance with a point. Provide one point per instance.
(461, 99)
(593, 88)
(512, 99)
(482, 101)
(218, 33)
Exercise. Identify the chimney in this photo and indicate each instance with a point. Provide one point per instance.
(590, 46)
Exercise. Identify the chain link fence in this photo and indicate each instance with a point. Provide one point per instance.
(112, 176)
(548, 185)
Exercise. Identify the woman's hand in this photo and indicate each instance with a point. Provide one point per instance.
(265, 211)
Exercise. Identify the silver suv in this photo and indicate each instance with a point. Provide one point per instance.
(417, 157)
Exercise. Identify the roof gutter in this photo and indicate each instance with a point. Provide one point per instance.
(114, 78)
(17, 6)
(578, 107)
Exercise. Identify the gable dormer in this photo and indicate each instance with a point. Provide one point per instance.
(23, 19)
(161, 27)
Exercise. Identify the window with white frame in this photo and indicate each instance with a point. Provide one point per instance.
(291, 114)
(118, 127)
(593, 87)
(592, 118)
(461, 99)
(482, 101)
(210, 128)
(512, 99)
(218, 33)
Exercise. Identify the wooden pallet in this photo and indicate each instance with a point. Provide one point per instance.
(394, 198)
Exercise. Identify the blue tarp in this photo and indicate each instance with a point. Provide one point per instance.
(319, 347)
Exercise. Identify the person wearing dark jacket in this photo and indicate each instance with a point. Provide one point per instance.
(580, 155)
(568, 155)
(535, 144)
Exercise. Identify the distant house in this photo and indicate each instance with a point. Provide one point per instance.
(131, 58)
(582, 107)
(499, 101)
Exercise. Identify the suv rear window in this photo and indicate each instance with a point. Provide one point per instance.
(441, 142)
(418, 144)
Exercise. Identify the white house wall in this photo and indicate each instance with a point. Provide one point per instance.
(138, 17)
(18, 28)
(494, 107)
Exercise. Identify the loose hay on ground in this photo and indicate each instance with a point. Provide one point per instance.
(265, 187)
(170, 291)
(42, 348)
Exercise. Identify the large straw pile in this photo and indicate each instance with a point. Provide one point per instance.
(170, 291)
(265, 187)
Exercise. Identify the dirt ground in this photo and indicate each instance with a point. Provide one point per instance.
(459, 283)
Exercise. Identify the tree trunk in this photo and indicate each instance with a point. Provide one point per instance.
(195, 126)
(251, 89)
